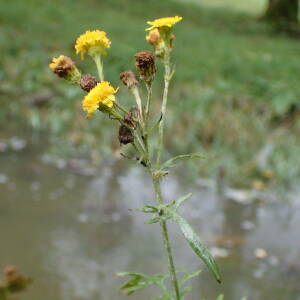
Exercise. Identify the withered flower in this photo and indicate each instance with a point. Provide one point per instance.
(125, 130)
(128, 78)
(88, 82)
(145, 64)
(64, 67)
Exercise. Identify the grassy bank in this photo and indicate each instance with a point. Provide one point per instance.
(235, 96)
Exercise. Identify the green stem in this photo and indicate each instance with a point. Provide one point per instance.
(98, 61)
(121, 108)
(164, 106)
(166, 241)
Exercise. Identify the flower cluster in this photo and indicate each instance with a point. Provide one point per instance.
(136, 126)
(160, 34)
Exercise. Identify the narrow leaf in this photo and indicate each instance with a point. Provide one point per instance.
(178, 202)
(169, 163)
(158, 219)
(188, 276)
(220, 297)
(154, 125)
(196, 244)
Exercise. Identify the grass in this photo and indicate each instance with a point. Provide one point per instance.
(235, 93)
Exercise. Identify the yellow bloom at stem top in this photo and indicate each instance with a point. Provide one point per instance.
(92, 42)
(164, 22)
(100, 97)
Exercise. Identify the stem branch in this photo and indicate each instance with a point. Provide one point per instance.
(164, 106)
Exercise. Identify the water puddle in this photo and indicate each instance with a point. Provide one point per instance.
(72, 233)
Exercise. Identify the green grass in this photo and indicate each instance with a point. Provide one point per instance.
(235, 88)
(255, 7)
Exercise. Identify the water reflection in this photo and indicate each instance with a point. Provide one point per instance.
(73, 233)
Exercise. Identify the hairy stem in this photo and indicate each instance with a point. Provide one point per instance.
(164, 106)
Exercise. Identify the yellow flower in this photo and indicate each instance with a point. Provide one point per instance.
(164, 22)
(100, 97)
(92, 42)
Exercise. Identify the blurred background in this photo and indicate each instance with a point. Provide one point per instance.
(65, 193)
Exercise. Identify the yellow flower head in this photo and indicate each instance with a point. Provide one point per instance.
(92, 42)
(100, 97)
(164, 22)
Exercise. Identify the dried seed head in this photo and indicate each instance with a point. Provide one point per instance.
(128, 78)
(88, 82)
(64, 67)
(145, 64)
(154, 38)
(125, 135)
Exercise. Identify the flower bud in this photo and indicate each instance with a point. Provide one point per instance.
(88, 82)
(154, 38)
(64, 67)
(145, 64)
(128, 78)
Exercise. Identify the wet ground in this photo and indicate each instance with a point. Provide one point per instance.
(73, 232)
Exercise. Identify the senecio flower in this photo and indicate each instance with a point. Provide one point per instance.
(164, 22)
(100, 97)
(92, 42)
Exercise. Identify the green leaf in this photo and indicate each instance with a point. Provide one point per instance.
(169, 163)
(188, 276)
(147, 209)
(244, 298)
(220, 297)
(154, 125)
(158, 219)
(135, 283)
(160, 173)
(196, 244)
(178, 202)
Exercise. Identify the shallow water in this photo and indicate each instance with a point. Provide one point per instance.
(72, 233)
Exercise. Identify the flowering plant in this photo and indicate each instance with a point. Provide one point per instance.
(136, 127)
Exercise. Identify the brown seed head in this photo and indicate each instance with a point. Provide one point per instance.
(125, 135)
(88, 82)
(62, 66)
(128, 78)
(145, 64)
